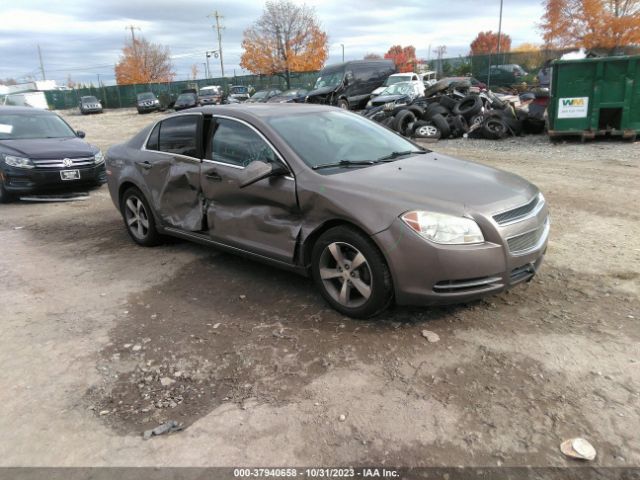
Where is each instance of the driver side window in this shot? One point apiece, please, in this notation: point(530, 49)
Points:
point(236, 144)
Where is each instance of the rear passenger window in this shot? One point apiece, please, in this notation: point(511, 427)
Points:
point(180, 135)
point(152, 143)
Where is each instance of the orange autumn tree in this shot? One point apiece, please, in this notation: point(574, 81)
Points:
point(607, 24)
point(487, 42)
point(403, 57)
point(287, 38)
point(144, 62)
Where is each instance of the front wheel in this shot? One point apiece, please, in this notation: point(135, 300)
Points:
point(138, 218)
point(343, 103)
point(5, 197)
point(351, 273)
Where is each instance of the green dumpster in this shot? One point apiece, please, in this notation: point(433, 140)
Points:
point(595, 96)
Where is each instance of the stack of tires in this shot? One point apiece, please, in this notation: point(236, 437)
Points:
point(453, 115)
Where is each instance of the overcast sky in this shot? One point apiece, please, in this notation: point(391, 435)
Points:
point(84, 38)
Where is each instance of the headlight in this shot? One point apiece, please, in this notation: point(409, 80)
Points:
point(18, 162)
point(445, 229)
point(156, 102)
point(369, 103)
point(98, 158)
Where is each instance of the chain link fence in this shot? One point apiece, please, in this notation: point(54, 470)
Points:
point(124, 96)
point(502, 65)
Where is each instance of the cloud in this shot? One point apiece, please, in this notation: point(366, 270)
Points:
point(84, 38)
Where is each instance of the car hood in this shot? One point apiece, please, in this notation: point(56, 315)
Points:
point(281, 99)
point(378, 91)
point(321, 91)
point(48, 148)
point(432, 181)
point(381, 100)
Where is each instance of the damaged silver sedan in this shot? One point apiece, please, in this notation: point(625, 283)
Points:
point(371, 216)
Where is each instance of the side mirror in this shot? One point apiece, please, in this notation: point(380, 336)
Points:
point(80, 134)
point(258, 170)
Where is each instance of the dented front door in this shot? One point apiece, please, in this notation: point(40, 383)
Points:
point(262, 218)
point(172, 171)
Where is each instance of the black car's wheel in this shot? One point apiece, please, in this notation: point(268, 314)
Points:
point(343, 103)
point(351, 273)
point(138, 218)
point(5, 197)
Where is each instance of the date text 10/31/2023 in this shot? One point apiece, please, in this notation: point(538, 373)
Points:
point(315, 473)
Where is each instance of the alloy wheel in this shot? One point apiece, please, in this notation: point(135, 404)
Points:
point(427, 131)
point(136, 217)
point(346, 274)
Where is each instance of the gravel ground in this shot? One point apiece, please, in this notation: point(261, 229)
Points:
point(102, 339)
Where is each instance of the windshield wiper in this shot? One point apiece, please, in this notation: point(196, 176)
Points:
point(344, 163)
point(393, 155)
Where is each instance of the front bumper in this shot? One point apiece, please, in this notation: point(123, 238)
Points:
point(426, 273)
point(24, 181)
point(148, 108)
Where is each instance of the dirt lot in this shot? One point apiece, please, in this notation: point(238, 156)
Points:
point(101, 339)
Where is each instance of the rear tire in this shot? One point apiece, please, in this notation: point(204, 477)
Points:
point(138, 218)
point(351, 273)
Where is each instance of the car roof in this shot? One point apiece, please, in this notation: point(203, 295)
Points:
point(402, 74)
point(24, 111)
point(264, 110)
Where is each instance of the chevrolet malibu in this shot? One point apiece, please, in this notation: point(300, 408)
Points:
point(372, 217)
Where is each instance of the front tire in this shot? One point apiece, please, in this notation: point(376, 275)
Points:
point(343, 103)
point(351, 273)
point(138, 218)
point(5, 197)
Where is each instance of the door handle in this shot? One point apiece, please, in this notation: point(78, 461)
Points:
point(146, 164)
point(213, 176)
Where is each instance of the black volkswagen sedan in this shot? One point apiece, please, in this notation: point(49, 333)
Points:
point(40, 152)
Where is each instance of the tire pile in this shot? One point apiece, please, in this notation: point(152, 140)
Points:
point(455, 111)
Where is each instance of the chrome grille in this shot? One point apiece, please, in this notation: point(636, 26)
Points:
point(59, 163)
point(466, 285)
point(517, 213)
point(528, 240)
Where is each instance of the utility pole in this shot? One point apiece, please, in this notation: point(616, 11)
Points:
point(499, 31)
point(218, 29)
point(342, 45)
point(207, 68)
point(41, 64)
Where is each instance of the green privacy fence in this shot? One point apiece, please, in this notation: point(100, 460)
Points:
point(122, 96)
point(531, 62)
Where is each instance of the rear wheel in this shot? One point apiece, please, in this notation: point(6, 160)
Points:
point(138, 218)
point(351, 273)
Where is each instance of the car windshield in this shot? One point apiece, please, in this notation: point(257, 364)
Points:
point(393, 79)
point(329, 80)
point(205, 93)
point(261, 94)
point(292, 93)
point(184, 97)
point(398, 89)
point(237, 90)
point(321, 138)
point(89, 99)
point(17, 127)
point(146, 96)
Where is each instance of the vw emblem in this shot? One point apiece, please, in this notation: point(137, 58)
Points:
point(67, 162)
